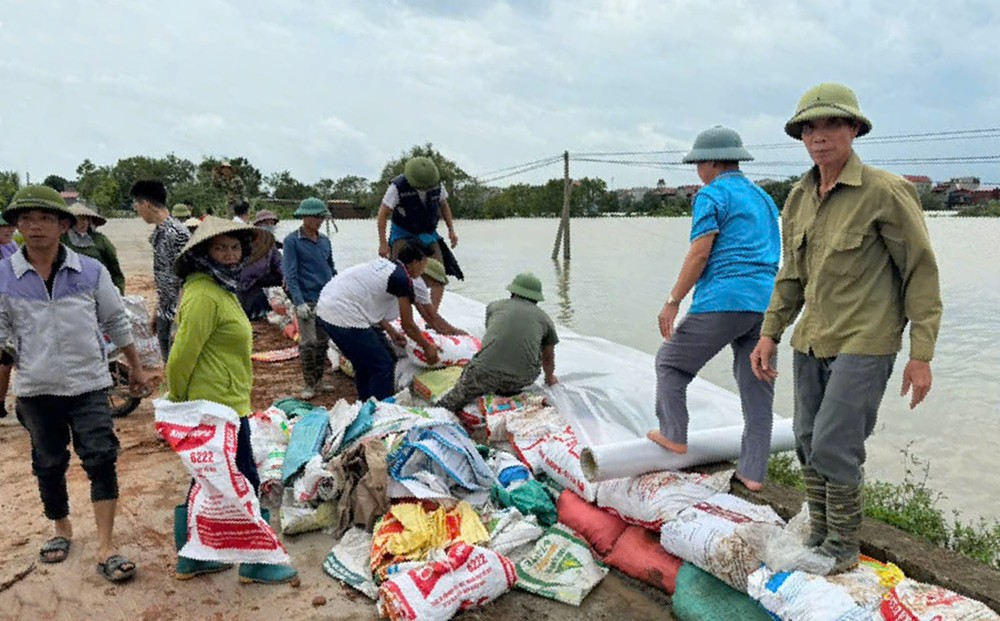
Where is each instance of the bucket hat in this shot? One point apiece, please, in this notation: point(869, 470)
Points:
point(37, 197)
point(192, 223)
point(823, 101)
point(79, 209)
point(435, 271)
point(311, 206)
point(212, 226)
point(527, 286)
point(181, 211)
point(263, 216)
point(718, 144)
point(422, 173)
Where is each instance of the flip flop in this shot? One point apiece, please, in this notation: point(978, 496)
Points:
point(55, 550)
point(116, 568)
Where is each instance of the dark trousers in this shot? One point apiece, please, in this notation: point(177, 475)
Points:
point(836, 407)
point(696, 340)
point(368, 351)
point(52, 422)
point(163, 336)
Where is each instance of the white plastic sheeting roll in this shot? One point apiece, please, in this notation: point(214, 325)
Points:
point(607, 392)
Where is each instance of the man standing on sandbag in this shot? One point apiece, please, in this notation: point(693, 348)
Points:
point(416, 201)
point(520, 342)
point(56, 304)
point(732, 261)
point(859, 258)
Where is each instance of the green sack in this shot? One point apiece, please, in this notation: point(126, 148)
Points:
point(293, 407)
point(529, 498)
point(700, 596)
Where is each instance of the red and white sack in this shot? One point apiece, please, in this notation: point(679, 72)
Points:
point(269, 434)
point(529, 428)
point(560, 459)
point(914, 601)
point(467, 577)
point(651, 499)
point(147, 345)
point(707, 535)
point(224, 521)
point(454, 350)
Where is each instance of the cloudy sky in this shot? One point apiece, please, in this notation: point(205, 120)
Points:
point(326, 89)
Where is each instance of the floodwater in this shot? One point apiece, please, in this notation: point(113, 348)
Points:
point(623, 268)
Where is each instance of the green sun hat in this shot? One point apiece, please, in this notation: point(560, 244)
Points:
point(825, 100)
point(181, 211)
point(37, 197)
point(311, 206)
point(527, 286)
point(422, 173)
point(435, 271)
point(718, 144)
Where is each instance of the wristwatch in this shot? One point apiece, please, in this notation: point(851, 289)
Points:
point(672, 301)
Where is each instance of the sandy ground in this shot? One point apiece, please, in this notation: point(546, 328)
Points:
point(152, 481)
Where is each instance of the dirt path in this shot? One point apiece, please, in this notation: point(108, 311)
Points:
point(152, 481)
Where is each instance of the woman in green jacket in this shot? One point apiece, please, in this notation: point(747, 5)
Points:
point(84, 239)
point(210, 360)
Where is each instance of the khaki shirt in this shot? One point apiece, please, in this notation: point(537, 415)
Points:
point(861, 263)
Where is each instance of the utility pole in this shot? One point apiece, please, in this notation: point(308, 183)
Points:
point(564, 220)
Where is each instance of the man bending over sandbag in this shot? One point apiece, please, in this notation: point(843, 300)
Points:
point(520, 342)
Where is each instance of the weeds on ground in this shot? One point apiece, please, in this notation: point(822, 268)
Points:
point(911, 506)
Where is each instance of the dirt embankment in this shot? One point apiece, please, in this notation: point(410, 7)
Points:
point(152, 481)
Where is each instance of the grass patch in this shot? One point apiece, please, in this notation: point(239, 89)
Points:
point(913, 507)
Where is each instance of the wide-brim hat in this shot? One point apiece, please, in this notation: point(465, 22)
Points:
point(826, 100)
point(37, 197)
point(718, 144)
point(263, 216)
point(213, 226)
point(311, 207)
point(422, 173)
point(79, 209)
point(435, 271)
point(181, 211)
point(527, 285)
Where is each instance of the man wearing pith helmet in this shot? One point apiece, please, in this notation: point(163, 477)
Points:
point(731, 264)
point(858, 257)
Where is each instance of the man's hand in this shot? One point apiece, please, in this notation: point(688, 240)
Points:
point(383, 249)
point(551, 380)
point(431, 353)
point(398, 339)
point(916, 375)
point(667, 318)
point(138, 381)
point(152, 323)
point(452, 237)
point(303, 311)
point(761, 357)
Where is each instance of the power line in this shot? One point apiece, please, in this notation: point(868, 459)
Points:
point(540, 164)
point(545, 160)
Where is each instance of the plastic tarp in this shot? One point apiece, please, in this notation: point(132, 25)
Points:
point(607, 392)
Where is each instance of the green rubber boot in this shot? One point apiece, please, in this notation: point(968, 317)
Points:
point(816, 501)
point(843, 518)
point(188, 568)
point(266, 573)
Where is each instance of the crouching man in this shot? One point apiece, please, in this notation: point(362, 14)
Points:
point(56, 306)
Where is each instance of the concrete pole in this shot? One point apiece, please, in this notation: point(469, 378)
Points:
point(564, 219)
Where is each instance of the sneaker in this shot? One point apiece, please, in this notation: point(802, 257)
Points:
point(309, 392)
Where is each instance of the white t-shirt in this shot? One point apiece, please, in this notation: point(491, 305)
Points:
point(363, 295)
point(391, 198)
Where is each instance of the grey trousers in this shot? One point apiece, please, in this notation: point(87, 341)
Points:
point(313, 343)
point(836, 407)
point(696, 340)
point(474, 383)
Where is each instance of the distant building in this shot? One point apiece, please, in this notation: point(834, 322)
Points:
point(70, 196)
point(346, 210)
point(923, 183)
point(965, 183)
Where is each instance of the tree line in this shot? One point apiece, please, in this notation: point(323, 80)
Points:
point(105, 187)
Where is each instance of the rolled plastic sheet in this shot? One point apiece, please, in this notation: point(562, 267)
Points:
point(607, 392)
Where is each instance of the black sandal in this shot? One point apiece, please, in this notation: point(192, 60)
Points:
point(55, 550)
point(116, 568)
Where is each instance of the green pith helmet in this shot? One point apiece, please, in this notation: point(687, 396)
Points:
point(823, 101)
point(181, 211)
point(435, 271)
point(718, 144)
point(527, 286)
point(422, 173)
point(311, 207)
point(37, 197)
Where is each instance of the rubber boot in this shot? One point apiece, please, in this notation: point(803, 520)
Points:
point(816, 501)
point(266, 573)
point(188, 568)
point(307, 356)
point(843, 522)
